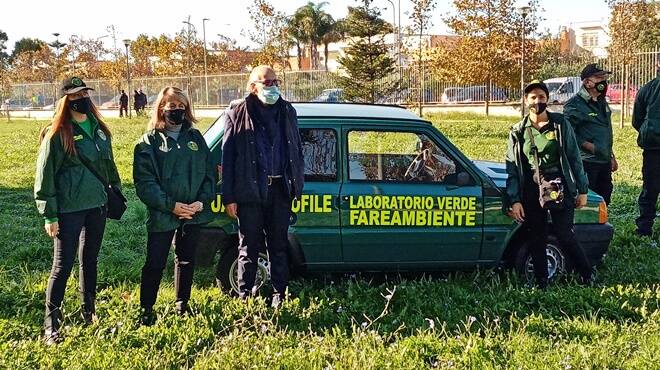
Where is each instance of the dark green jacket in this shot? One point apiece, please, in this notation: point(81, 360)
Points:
point(646, 115)
point(571, 165)
point(167, 171)
point(63, 184)
point(591, 124)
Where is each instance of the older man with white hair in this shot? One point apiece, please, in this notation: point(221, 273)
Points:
point(262, 172)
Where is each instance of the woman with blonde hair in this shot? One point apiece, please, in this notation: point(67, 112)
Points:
point(72, 199)
point(175, 179)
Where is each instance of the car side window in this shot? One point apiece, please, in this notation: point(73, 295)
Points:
point(319, 147)
point(398, 157)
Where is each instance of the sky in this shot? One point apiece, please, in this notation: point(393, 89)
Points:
point(91, 19)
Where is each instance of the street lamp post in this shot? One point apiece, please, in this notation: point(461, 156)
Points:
point(206, 77)
point(127, 43)
point(524, 12)
point(188, 58)
point(57, 45)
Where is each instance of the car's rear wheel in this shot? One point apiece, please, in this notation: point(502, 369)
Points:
point(559, 262)
point(227, 271)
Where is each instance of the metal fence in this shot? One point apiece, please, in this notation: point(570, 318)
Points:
point(219, 90)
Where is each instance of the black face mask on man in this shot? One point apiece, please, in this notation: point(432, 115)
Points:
point(537, 108)
point(82, 105)
point(175, 116)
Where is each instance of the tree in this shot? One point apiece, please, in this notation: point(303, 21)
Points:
point(227, 56)
point(633, 25)
point(270, 30)
point(4, 57)
point(35, 65)
point(421, 19)
point(330, 31)
point(367, 62)
point(488, 51)
point(26, 44)
point(86, 56)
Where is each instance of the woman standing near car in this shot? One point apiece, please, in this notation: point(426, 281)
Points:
point(72, 199)
point(545, 174)
point(175, 179)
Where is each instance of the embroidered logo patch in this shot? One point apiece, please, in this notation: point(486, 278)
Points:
point(550, 135)
point(193, 146)
point(554, 195)
point(102, 135)
point(76, 81)
point(77, 137)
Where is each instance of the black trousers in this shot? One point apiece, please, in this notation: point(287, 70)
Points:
point(264, 227)
point(158, 248)
point(123, 110)
point(600, 179)
point(80, 232)
point(650, 189)
point(537, 228)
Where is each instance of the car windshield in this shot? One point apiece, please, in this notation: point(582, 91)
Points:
point(214, 132)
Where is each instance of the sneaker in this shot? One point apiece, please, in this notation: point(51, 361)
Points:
point(182, 309)
point(148, 317)
point(52, 337)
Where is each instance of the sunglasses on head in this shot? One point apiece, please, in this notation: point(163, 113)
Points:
point(269, 83)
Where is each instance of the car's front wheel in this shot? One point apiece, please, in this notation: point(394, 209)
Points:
point(226, 273)
point(558, 261)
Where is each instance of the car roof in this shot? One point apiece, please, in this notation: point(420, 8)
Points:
point(352, 110)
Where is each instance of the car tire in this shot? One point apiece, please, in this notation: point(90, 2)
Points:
point(559, 262)
point(226, 274)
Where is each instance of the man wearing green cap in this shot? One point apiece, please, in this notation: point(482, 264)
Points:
point(591, 118)
point(646, 120)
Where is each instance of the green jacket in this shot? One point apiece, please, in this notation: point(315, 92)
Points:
point(571, 165)
point(63, 184)
point(167, 171)
point(646, 115)
point(591, 124)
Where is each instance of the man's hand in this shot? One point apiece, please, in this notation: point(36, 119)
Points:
point(517, 212)
point(590, 147)
point(581, 201)
point(183, 211)
point(231, 209)
point(615, 164)
point(52, 229)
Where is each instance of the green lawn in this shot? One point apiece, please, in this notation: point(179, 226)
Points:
point(464, 320)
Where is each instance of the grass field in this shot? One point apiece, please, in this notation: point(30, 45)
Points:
point(464, 320)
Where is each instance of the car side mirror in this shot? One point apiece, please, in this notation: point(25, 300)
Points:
point(463, 179)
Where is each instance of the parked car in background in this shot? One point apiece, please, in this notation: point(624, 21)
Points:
point(562, 88)
point(330, 96)
point(473, 94)
point(615, 93)
point(449, 95)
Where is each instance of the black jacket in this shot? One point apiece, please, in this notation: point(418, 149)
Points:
point(242, 180)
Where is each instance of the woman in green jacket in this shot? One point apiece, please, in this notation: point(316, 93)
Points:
point(71, 198)
point(557, 156)
point(175, 179)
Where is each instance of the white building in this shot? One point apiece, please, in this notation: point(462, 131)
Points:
point(591, 35)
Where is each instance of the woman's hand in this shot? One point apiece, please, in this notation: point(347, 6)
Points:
point(517, 212)
point(231, 209)
point(52, 229)
point(197, 206)
point(581, 201)
point(184, 211)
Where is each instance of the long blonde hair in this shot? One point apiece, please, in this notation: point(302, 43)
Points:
point(157, 120)
point(62, 124)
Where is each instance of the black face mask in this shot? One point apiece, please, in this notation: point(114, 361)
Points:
point(537, 108)
point(175, 116)
point(83, 105)
point(601, 87)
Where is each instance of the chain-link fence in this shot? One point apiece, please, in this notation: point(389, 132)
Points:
point(219, 90)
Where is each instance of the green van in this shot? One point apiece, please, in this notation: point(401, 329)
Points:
point(386, 191)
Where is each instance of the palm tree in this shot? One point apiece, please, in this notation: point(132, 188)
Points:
point(309, 20)
point(297, 36)
point(331, 31)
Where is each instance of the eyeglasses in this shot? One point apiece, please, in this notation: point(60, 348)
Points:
point(269, 83)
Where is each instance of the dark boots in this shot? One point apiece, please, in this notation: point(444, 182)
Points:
point(89, 308)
